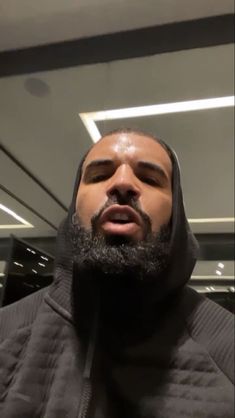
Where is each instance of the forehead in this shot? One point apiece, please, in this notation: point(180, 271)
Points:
point(129, 148)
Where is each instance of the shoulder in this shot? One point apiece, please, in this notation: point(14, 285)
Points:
point(211, 326)
point(20, 314)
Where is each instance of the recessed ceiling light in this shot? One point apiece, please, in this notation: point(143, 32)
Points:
point(89, 118)
point(218, 272)
point(221, 265)
point(24, 223)
point(31, 251)
point(18, 264)
point(44, 258)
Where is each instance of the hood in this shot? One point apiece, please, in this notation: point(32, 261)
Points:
point(183, 249)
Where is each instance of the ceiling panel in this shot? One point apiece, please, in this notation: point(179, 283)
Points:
point(48, 129)
point(39, 227)
point(213, 269)
point(28, 23)
point(40, 126)
point(25, 198)
point(5, 218)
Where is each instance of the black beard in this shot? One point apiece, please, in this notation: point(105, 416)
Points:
point(118, 258)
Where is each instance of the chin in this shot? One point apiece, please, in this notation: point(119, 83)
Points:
point(119, 239)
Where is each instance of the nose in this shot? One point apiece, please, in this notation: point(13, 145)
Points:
point(123, 184)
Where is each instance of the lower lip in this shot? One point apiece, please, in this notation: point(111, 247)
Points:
point(129, 228)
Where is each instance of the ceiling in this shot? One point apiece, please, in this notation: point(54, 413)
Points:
point(29, 23)
point(42, 137)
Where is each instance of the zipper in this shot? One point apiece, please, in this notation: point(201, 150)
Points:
point(86, 398)
point(87, 389)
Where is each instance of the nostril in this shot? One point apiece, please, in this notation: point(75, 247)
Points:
point(132, 193)
point(123, 196)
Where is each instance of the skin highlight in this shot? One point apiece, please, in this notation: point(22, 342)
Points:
point(129, 167)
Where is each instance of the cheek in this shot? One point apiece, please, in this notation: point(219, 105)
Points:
point(88, 203)
point(84, 207)
point(159, 209)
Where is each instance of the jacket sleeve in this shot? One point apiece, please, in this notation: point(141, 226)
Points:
point(20, 314)
point(213, 327)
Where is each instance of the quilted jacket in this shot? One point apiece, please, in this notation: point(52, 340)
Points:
point(65, 355)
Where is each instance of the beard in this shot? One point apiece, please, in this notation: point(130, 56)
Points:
point(118, 257)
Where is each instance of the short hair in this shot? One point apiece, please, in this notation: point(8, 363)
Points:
point(125, 130)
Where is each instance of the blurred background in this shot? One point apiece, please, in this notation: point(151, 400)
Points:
point(69, 72)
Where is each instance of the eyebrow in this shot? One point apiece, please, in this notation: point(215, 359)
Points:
point(98, 163)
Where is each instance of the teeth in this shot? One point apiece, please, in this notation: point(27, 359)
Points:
point(120, 217)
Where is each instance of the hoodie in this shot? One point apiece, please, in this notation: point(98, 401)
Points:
point(167, 352)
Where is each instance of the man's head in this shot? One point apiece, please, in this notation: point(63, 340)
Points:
point(127, 220)
point(124, 207)
point(125, 187)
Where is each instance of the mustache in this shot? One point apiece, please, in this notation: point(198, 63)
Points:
point(129, 202)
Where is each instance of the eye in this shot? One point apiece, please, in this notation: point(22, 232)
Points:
point(149, 180)
point(99, 177)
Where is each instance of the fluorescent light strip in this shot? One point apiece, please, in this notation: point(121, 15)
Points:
point(24, 223)
point(163, 109)
point(213, 277)
point(217, 289)
point(150, 110)
point(210, 220)
point(91, 126)
point(16, 226)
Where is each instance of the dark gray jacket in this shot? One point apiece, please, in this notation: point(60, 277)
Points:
point(175, 361)
point(183, 370)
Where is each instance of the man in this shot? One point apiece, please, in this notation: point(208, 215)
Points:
point(119, 334)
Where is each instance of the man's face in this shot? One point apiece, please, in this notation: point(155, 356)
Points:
point(120, 170)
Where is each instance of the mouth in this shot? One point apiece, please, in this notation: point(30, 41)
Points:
point(120, 220)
